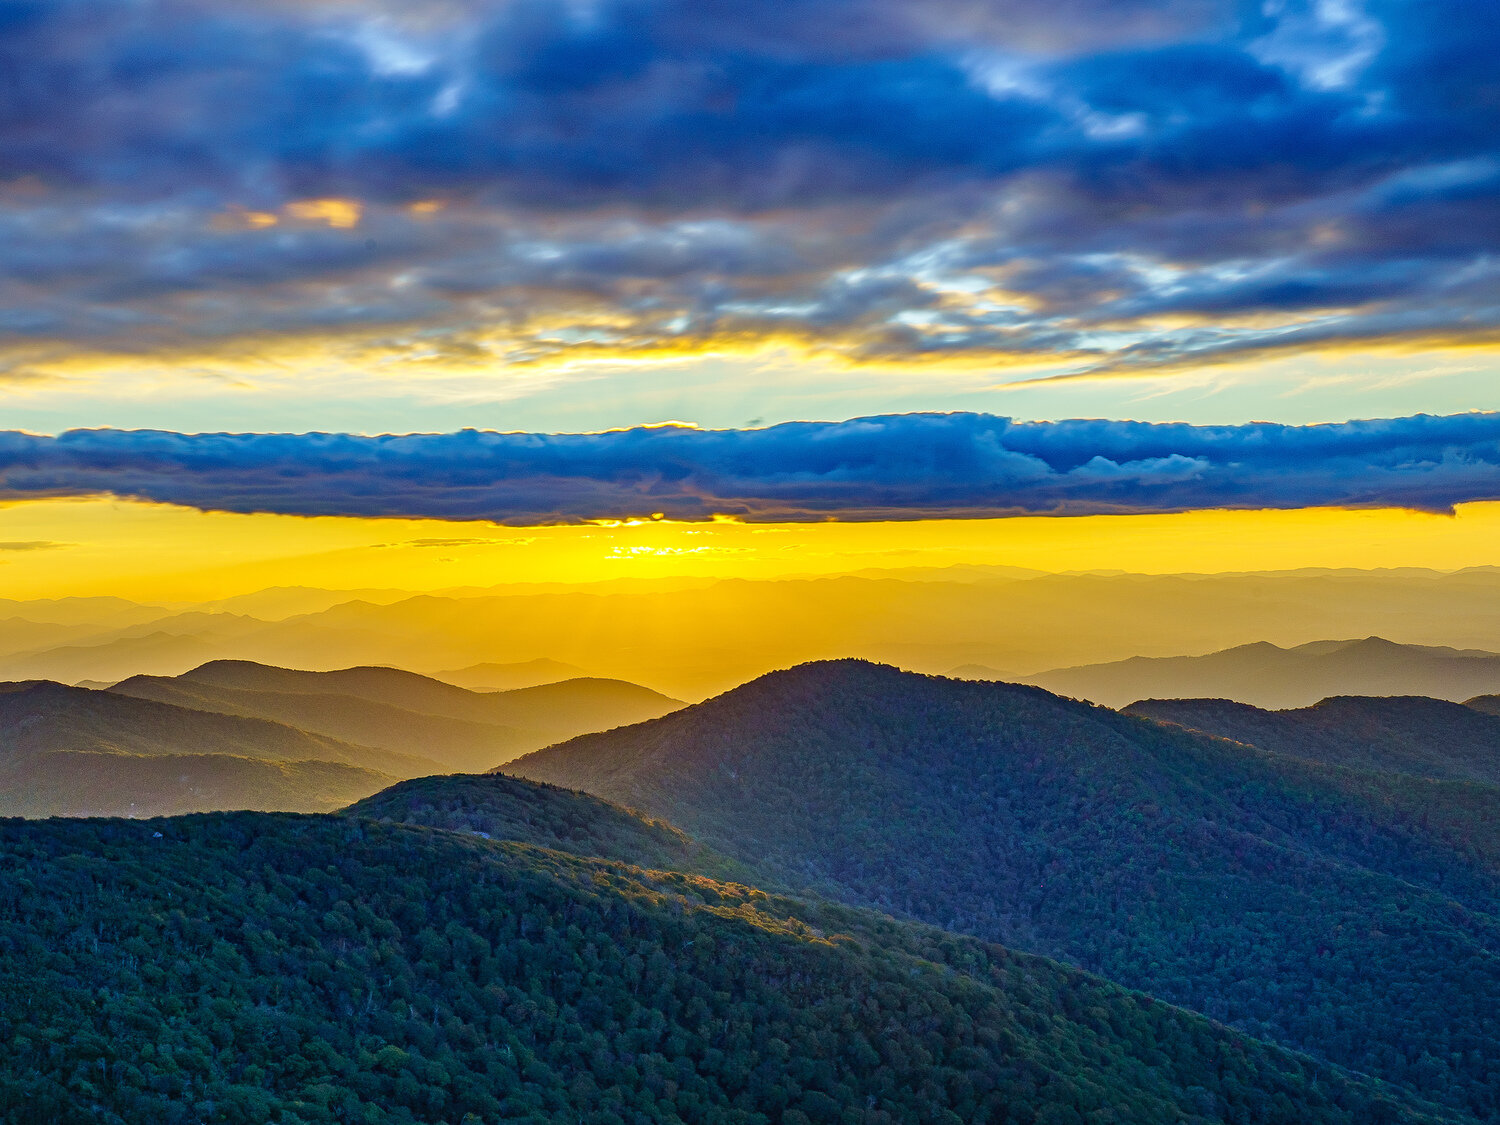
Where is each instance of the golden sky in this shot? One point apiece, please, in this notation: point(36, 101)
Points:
point(156, 552)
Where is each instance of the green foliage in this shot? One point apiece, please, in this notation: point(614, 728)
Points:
point(1399, 734)
point(505, 808)
point(245, 968)
point(1352, 915)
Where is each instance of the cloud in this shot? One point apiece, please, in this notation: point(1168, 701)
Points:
point(888, 467)
point(31, 545)
point(888, 179)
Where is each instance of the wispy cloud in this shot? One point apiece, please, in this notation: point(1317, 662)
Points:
point(887, 467)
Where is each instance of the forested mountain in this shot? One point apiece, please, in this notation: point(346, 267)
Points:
point(1350, 914)
point(1488, 704)
point(71, 751)
point(103, 783)
point(250, 968)
point(547, 712)
point(40, 716)
point(1267, 676)
point(1402, 734)
point(452, 743)
point(498, 807)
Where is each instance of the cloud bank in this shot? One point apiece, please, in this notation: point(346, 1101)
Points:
point(890, 467)
point(492, 181)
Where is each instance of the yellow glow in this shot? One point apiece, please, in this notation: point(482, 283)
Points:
point(343, 213)
point(163, 553)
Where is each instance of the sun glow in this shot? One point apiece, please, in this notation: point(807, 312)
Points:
point(57, 548)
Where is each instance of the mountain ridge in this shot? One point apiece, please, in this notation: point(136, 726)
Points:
point(1194, 868)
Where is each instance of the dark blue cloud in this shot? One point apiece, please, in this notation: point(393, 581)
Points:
point(892, 467)
point(1099, 164)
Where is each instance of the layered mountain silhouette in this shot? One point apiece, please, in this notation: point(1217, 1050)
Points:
point(1265, 675)
point(397, 710)
point(1351, 914)
point(506, 677)
point(705, 635)
point(1404, 734)
point(68, 751)
point(253, 967)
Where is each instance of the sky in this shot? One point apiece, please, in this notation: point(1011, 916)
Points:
point(1002, 281)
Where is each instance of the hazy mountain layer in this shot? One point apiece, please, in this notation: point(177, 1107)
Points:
point(39, 717)
point(692, 638)
point(454, 744)
point(254, 968)
point(1267, 676)
point(554, 710)
point(1298, 901)
point(71, 751)
point(507, 677)
point(1425, 737)
point(101, 783)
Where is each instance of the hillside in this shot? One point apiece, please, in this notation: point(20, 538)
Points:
point(1267, 676)
point(551, 711)
point(1292, 899)
point(1486, 704)
point(68, 750)
point(454, 744)
point(101, 783)
point(251, 968)
point(1413, 735)
point(506, 808)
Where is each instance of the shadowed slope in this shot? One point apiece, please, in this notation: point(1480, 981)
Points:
point(1291, 898)
point(452, 743)
point(1402, 734)
point(506, 808)
point(68, 751)
point(342, 969)
point(100, 783)
point(556, 710)
point(1267, 676)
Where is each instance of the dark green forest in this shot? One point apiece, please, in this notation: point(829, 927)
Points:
point(249, 968)
point(1353, 914)
point(1396, 734)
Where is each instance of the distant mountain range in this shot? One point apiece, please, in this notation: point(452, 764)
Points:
point(67, 751)
point(1293, 899)
point(398, 710)
point(693, 638)
point(1400, 734)
point(507, 677)
point(234, 734)
point(1265, 675)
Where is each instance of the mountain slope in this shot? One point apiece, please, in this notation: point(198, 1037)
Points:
point(102, 783)
point(41, 716)
point(1293, 899)
point(68, 750)
point(252, 968)
point(1267, 676)
point(453, 743)
point(555, 710)
point(506, 808)
point(1414, 735)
